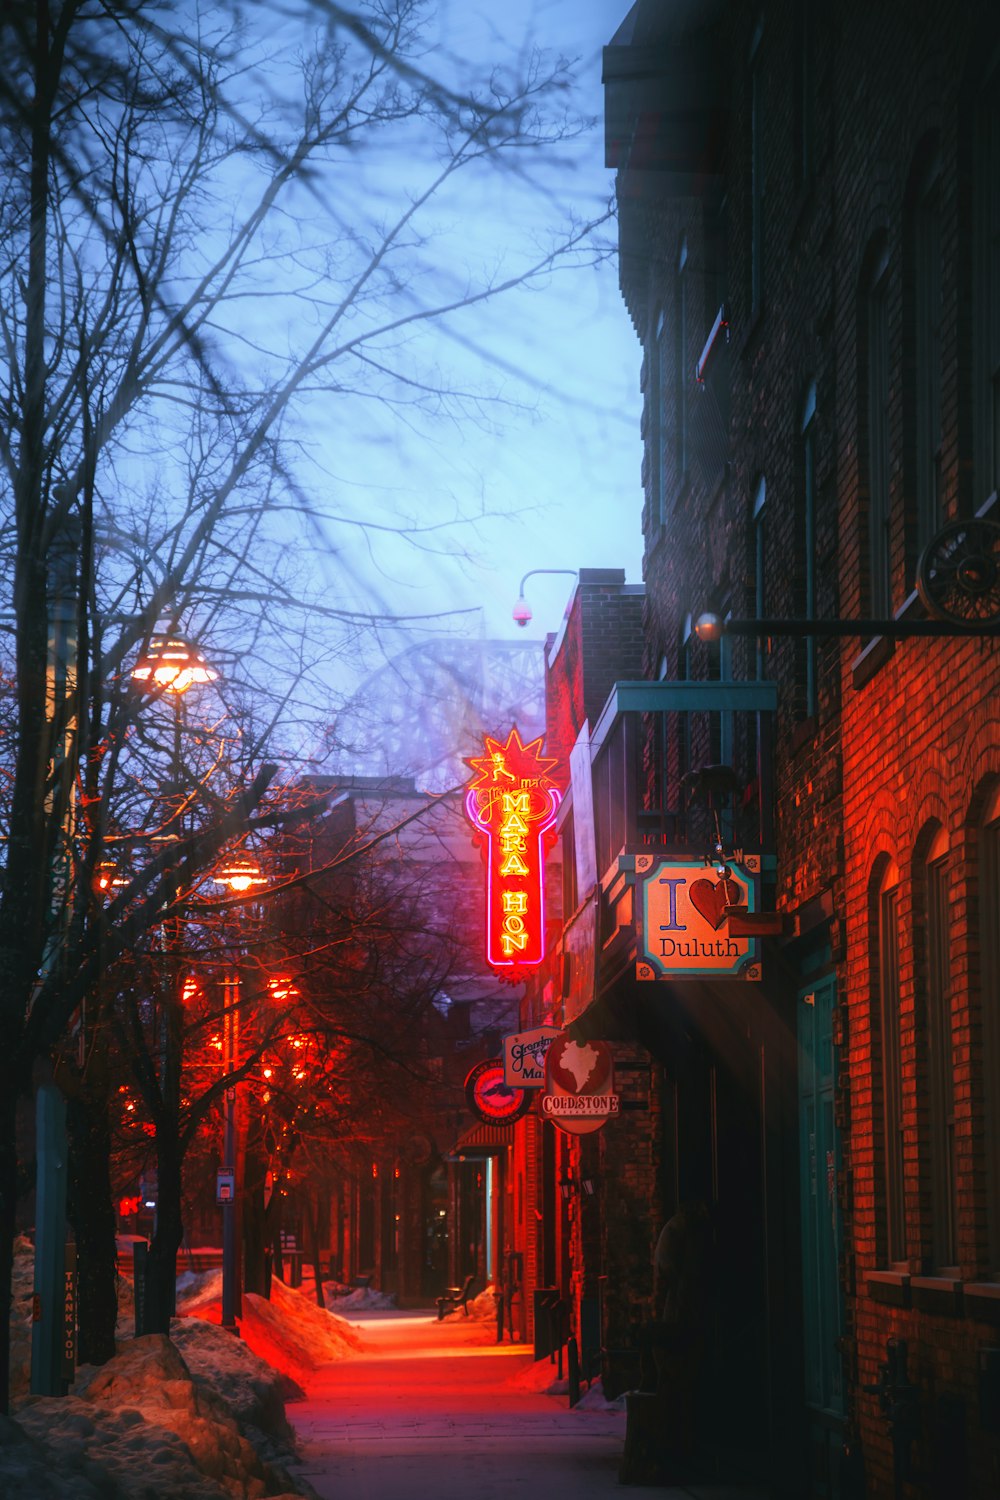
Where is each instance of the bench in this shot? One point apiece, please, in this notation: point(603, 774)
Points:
point(456, 1296)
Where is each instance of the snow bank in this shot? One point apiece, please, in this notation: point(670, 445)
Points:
point(542, 1376)
point(141, 1427)
point(339, 1298)
point(291, 1332)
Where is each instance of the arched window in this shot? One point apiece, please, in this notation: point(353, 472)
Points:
point(756, 91)
point(986, 293)
point(805, 546)
point(989, 975)
point(684, 675)
point(885, 982)
point(682, 369)
point(760, 562)
point(925, 232)
point(656, 459)
point(873, 308)
point(934, 933)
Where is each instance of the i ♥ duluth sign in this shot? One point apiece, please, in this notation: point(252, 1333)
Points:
point(685, 908)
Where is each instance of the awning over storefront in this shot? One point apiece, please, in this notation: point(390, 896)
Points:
point(481, 1141)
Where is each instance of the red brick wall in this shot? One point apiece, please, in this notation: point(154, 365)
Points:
point(861, 776)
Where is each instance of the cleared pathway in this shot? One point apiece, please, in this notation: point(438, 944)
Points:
point(439, 1411)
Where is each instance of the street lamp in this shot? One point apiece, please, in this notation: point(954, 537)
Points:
point(240, 873)
point(171, 665)
point(522, 609)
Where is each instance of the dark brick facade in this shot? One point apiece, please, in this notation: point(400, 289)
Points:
point(782, 162)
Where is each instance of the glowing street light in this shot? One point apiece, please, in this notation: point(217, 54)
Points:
point(240, 873)
point(521, 612)
point(172, 665)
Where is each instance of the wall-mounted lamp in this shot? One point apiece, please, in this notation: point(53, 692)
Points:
point(522, 609)
point(569, 1184)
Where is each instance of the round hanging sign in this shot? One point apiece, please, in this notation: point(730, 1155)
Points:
point(579, 1085)
point(494, 1101)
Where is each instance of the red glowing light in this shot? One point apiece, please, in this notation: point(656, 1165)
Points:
point(512, 803)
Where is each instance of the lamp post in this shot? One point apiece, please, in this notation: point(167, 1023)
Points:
point(522, 610)
point(240, 874)
point(169, 666)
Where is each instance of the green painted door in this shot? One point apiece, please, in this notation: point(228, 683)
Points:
point(819, 1165)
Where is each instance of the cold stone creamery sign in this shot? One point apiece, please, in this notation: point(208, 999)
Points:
point(685, 907)
point(512, 803)
point(579, 1092)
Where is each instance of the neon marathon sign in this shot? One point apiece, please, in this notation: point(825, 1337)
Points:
point(511, 803)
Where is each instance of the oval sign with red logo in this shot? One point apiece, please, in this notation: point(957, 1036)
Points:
point(579, 1085)
point(493, 1100)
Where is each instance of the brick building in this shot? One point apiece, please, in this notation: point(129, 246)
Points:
point(809, 227)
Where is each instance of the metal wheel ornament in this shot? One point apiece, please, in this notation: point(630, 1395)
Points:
point(958, 573)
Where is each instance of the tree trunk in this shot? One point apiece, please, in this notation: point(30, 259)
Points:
point(312, 1234)
point(254, 1217)
point(8, 1204)
point(161, 1265)
point(92, 1214)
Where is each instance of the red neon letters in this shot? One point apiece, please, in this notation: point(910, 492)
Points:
point(512, 803)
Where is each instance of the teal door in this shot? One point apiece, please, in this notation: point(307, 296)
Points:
point(821, 1292)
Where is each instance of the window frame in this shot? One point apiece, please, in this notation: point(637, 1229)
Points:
point(887, 1016)
point(940, 1054)
point(877, 395)
point(986, 294)
point(988, 922)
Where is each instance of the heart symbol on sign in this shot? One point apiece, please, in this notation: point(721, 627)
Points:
point(710, 900)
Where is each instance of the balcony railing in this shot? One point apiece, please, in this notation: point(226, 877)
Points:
point(649, 735)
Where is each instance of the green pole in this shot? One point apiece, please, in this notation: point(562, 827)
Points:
point(50, 1243)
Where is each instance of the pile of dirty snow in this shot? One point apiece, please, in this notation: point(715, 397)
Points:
point(143, 1425)
point(291, 1331)
point(542, 1376)
point(340, 1298)
point(484, 1306)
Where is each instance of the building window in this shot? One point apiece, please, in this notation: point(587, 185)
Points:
point(986, 320)
point(927, 351)
point(682, 374)
point(886, 1017)
point(805, 89)
point(655, 389)
point(876, 421)
point(806, 548)
point(936, 979)
point(684, 720)
point(760, 564)
point(756, 172)
point(989, 947)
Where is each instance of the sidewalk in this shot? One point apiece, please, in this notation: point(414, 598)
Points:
point(434, 1412)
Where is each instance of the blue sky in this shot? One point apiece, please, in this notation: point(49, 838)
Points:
point(553, 464)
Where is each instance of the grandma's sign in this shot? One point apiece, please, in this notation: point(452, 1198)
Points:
point(512, 803)
point(685, 908)
point(524, 1057)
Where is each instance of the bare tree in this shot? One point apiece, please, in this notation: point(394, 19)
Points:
point(185, 271)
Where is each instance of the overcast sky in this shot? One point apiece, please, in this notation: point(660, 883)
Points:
point(555, 466)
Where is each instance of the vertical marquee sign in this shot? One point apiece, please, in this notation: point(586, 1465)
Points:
point(512, 803)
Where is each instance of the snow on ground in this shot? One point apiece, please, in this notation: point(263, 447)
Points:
point(198, 1417)
point(291, 1331)
point(341, 1299)
point(543, 1376)
point(142, 1427)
